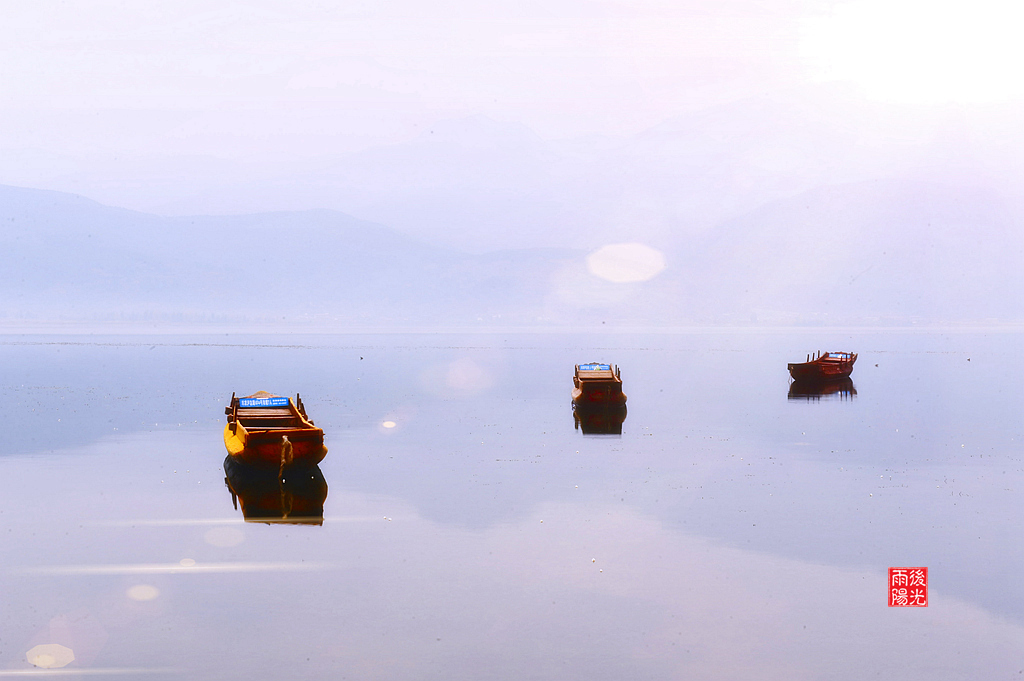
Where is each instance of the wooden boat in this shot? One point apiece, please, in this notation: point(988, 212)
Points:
point(597, 383)
point(269, 430)
point(824, 367)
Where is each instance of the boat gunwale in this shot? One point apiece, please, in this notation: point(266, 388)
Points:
point(823, 368)
point(300, 430)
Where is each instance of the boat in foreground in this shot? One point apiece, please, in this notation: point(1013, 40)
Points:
point(824, 367)
point(269, 430)
point(597, 383)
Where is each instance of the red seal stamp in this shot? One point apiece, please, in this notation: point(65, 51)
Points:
point(908, 587)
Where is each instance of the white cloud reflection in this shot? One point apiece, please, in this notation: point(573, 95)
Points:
point(467, 376)
point(50, 656)
point(91, 671)
point(185, 566)
point(143, 592)
point(637, 599)
point(224, 536)
point(170, 522)
point(463, 377)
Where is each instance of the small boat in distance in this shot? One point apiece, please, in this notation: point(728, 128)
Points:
point(824, 367)
point(597, 383)
point(269, 430)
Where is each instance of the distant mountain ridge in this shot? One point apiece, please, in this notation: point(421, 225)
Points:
point(70, 257)
point(479, 184)
point(884, 252)
point(868, 252)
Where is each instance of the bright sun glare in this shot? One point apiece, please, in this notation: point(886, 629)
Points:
point(921, 51)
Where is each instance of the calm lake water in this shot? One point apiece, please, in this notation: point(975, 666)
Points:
point(471, 531)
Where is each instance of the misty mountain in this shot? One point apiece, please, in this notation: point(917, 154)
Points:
point(873, 252)
point(66, 256)
point(477, 184)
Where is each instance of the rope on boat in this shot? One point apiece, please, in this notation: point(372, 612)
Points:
point(287, 499)
point(286, 456)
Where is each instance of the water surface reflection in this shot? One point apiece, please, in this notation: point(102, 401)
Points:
point(296, 495)
point(599, 420)
point(472, 533)
point(842, 389)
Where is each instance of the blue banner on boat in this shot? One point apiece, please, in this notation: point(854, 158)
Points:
point(595, 367)
point(263, 402)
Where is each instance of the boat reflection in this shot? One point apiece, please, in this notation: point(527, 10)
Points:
point(294, 497)
point(842, 389)
point(599, 420)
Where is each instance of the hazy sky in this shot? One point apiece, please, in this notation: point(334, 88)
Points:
point(187, 73)
point(643, 133)
point(113, 90)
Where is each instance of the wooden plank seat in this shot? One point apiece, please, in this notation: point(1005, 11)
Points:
point(290, 422)
point(258, 425)
point(244, 417)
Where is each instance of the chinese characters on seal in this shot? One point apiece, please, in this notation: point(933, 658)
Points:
point(908, 587)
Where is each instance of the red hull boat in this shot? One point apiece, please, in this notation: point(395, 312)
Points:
point(270, 430)
point(825, 367)
point(597, 383)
